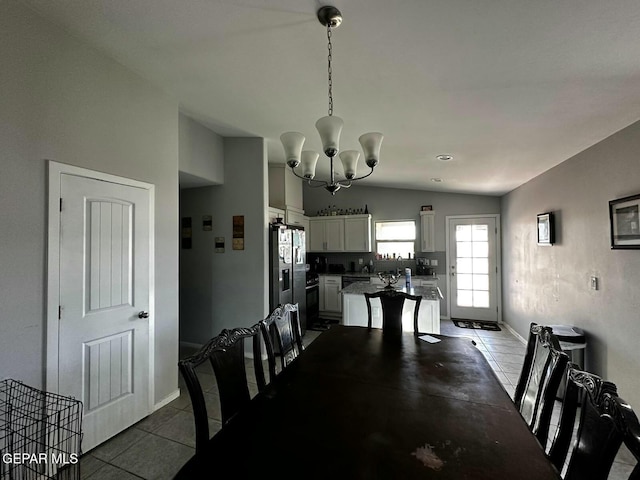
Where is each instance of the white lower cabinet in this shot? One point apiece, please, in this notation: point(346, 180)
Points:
point(331, 296)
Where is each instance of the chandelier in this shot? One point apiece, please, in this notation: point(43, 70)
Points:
point(329, 128)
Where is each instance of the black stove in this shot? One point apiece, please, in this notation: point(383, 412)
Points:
point(312, 279)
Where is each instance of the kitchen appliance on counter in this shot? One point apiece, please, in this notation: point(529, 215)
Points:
point(336, 268)
point(422, 267)
point(287, 269)
point(319, 264)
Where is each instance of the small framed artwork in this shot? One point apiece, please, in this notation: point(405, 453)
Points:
point(426, 208)
point(624, 222)
point(546, 229)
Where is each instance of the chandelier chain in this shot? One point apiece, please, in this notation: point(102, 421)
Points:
point(329, 70)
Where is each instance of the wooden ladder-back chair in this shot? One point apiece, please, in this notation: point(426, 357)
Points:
point(282, 335)
point(598, 437)
point(544, 366)
point(392, 302)
point(226, 355)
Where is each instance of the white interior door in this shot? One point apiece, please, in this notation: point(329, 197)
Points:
point(103, 328)
point(473, 268)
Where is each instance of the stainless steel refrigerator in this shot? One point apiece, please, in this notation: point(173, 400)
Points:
point(287, 269)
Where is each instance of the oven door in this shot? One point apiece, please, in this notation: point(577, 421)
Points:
point(313, 304)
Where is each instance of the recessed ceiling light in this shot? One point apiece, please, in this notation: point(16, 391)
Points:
point(444, 157)
point(437, 180)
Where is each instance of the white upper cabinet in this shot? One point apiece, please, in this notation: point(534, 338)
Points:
point(326, 234)
point(342, 233)
point(285, 189)
point(357, 233)
point(427, 231)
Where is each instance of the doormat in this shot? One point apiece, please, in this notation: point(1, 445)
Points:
point(492, 326)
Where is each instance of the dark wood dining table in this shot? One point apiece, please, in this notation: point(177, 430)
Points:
point(359, 405)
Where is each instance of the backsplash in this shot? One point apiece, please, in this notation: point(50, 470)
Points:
point(347, 259)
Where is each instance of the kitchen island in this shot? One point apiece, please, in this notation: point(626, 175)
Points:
point(354, 307)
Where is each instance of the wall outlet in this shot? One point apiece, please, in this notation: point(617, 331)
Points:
point(434, 262)
point(594, 283)
point(360, 261)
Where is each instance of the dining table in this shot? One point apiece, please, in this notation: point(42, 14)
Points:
point(360, 404)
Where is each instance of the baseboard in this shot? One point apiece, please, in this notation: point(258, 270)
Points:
point(514, 333)
point(167, 400)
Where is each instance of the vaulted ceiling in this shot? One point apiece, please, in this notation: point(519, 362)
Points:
point(509, 88)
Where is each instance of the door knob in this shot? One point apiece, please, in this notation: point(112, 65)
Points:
point(143, 314)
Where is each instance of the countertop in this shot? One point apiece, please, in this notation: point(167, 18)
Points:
point(360, 288)
point(375, 275)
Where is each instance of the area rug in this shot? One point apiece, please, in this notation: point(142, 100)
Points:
point(478, 325)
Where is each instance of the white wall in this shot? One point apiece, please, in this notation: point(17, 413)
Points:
point(64, 101)
point(201, 153)
point(230, 289)
point(551, 285)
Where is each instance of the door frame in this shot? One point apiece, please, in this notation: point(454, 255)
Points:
point(54, 171)
point(495, 216)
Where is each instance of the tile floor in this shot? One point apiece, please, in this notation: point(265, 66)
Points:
point(156, 447)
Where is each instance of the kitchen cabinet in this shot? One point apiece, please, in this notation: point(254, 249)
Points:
point(294, 217)
point(326, 234)
point(427, 231)
point(330, 298)
point(273, 213)
point(342, 233)
point(357, 233)
point(285, 189)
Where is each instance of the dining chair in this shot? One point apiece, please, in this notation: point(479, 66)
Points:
point(559, 445)
point(627, 423)
point(602, 421)
point(282, 336)
point(392, 302)
point(542, 371)
point(225, 352)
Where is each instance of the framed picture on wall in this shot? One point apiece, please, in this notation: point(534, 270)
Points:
point(624, 222)
point(546, 229)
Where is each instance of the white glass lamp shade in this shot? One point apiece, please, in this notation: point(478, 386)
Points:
point(292, 143)
point(371, 143)
point(329, 129)
point(309, 160)
point(349, 163)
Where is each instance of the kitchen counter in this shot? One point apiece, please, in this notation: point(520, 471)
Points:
point(359, 288)
point(375, 275)
point(354, 307)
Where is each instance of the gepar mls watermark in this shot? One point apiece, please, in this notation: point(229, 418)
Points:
point(58, 459)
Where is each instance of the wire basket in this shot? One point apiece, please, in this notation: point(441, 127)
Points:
point(40, 434)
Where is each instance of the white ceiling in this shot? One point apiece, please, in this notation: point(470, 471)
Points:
point(510, 88)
